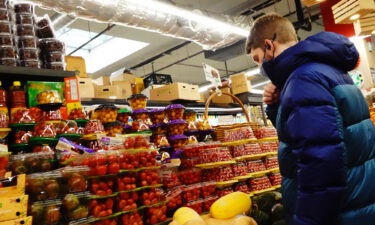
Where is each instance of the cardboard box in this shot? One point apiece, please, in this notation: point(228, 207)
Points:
point(17, 190)
point(125, 87)
point(124, 77)
point(147, 90)
point(76, 64)
point(175, 91)
point(103, 80)
point(22, 221)
point(240, 83)
point(107, 91)
point(202, 98)
point(138, 85)
point(12, 208)
point(86, 88)
point(223, 99)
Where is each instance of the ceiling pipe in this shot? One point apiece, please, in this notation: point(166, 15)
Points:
point(211, 31)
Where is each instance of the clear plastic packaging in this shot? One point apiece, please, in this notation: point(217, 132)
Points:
point(4, 15)
point(54, 57)
point(131, 218)
point(275, 179)
point(47, 213)
point(197, 206)
point(27, 42)
point(4, 4)
point(75, 179)
point(271, 162)
point(75, 207)
point(127, 201)
point(6, 40)
point(259, 183)
point(7, 52)
point(42, 148)
point(218, 154)
point(178, 141)
point(44, 186)
point(269, 146)
point(207, 203)
point(253, 148)
point(151, 196)
point(176, 127)
point(113, 128)
point(207, 189)
point(129, 160)
point(24, 18)
point(102, 163)
point(23, 115)
point(45, 31)
point(140, 126)
point(107, 113)
point(5, 27)
point(8, 62)
point(51, 45)
point(32, 163)
point(77, 114)
point(148, 178)
point(67, 127)
point(126, 182)
point(24, 8)
point(238, 134)
point(203, 125)
point(190, 115)
point(155, 215)
point(169, 177)
point(159, 129)
point(94, 127)
point(123, 115)
point(220, 192)
point(32, 63)
point(192, 150)
point(101, 207)
point(44, 129)
point(218, 174)
point(174, 200)
point(55, 66)
point(147, 158)
point(140, 114)
point(175, 112)
point(4, 119)
point(25, 30)
point(137, 141)
point(265, 132)
point(255, 166)
point(190, 176)
point(240, 169)
point(22, 136)
point(242, 187)
point(187, 163)
point(160, 141)
point(47, 97)
point(157, 116)
point(28, 53)
point(103, 186)
point(52, 115)
point(137, 101)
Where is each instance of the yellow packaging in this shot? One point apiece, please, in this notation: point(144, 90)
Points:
point(22, 221)
point(13, 207)
point(76, 64)
point(17, 190)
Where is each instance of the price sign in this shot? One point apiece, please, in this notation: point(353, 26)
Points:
point(212, 75)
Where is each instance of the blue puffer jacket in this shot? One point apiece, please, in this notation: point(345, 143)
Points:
point(327, 141)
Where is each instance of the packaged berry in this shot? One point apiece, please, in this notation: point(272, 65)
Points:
point(155, 215)
point(75, 206)
point(238, 134)
point(217, 154)
point(52, 57)
point(151, 196)
point(218, 174)
point(8, 62)
point(157, 116)
point(7, 52)
point(44, 186)
point(176, 127)
point(5, 27)
point(187, 163)
point(148, 178)
point(175, 112)
point(193, 150)
point(24, 8)
point(103, 186)
point(127, 201)
point(190, 176)
point(207, 189)
point(52, 115)
point(123, 115)
point(25, 30)
point(137, 101)
point(24, 18)
point(66, 127)
point(51, 45)
point(265, 132)
point(55, 65)
point(27, 42)
point(269, 146)
point(4, 15)
point(147, 158)
point(126, 182)
point(169, 176)
point(22, 136)
point(6, 39)
point(75, 178)
point(28, 53)
point(30, 63)
point(253, 148)
point(101, 207)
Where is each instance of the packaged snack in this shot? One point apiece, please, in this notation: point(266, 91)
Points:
point(32, 163)
point(113, 128)
point(157, 116)
point(131, 218)
point(151, 196)
point(44, 186)
point(101, 207)
point(55, 65)
point(174, 200)
point(77, 114)
point(51, 45)
point(52, 115)
point(6, 39)
point(46, 213)
point(190, 176)
point(28, 53)
point(175, 112)
point(27, 42)
point(190, 115)
point(24, 18)
point(8, 62)
point(126, 182)
point(25, 30)
point(156, 214)
point(207, 189)
point(5, 27)
point(137, 101)
point(24, 8)
point(94, 127)
point(259, 183)
point(47, 97)
point(75, 206)
point(240, 169)
point(42, 148)
point(196, 206)
point(137, 141)
point(148, 178)
point(75, 178)
point(44, 129)
point(169, 176)
point(108, 113)
point(129, 160)
point(4, 160)
point(178, 141)
point(159, 129)
point(176, 127)
point(103, 186)
point(223, 191)
point(123, 115)
point(127, 201)
point(242, 187)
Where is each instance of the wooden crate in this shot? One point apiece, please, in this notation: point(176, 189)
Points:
point(365, 25)
point(347, 11)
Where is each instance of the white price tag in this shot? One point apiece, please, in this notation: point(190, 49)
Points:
point(212, 75)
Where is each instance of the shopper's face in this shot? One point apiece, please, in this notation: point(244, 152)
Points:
point(257, 55)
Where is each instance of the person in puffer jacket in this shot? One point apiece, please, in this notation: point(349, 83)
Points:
point(326, 138)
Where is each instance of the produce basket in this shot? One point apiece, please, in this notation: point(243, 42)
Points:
point(219, 130)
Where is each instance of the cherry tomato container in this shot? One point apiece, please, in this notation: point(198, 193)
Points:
point(255, 165)
point(222, 191)
point(157, 116)
point(174, 200)
point(101, 207)
point(48, 213)
point(191, 192)
point(176, 127)
point(44, 129)
point(195, 205)
point(131, 218)
point(240, 169)
point(44, 186)
point(155, 215)
point(102, 186)
point(207, 203)
point(151, 196)
point(169, 176)
point(178, 141)
point(129, 160)
point(127, 201)
point(187, 163)
point(75, 207)
point(259, 183)
point(32, 163)
point(113, 128)
point(123, 115)
point(77, 114)
point(137, 101)
point(271, 162)
point(190, 176)
point(238, 134)
point(175, 112)
point(42, 148)
point(126, 182)
point(148, 178)
point(269, 146)
point(147, 158)
point(137, 141)
point(107, 113)
point(207, 189)
point(94, 127)
point(75, 179)
point(275, 178)
point(102, 163)
point(242, 187)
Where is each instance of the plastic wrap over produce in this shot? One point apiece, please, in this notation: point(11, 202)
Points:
point(210, 31)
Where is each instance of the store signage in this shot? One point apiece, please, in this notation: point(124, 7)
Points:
point(212, 75)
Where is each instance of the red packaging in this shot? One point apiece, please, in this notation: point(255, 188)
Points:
point(265, 132)
point(22, 136)
point(126, 182)
point(271, 162)
point(133, 218)
point(207, 189)
point(191, 150)
point(259, 183)
point(102, 163)
point(44, 129)
point(151, 196)
point(190, 176)
point(218, 174)
point(218, 154)
point(127, 201)
point(148, 178)
point(238, 134)
point(255, 166)
point(101, 207)
point(240, 169)
point(269, 146)
point(187, 163)
point(191, 192)
point(253, 148)
point(101, 186)
point(241, 186)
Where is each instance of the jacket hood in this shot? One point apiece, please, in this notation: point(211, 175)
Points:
point(325, 47)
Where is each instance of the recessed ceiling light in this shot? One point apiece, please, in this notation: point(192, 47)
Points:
point(354, 17)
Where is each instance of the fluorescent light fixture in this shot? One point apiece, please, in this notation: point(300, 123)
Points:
point(257, 91)
point(101, 52)
point(252, 72)
point(191, 15)
point(354, 17)
point(261, 84)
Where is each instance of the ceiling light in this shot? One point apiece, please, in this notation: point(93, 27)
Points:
point(373, 32)
point(354, 17)
point(252, 72)
point(257, 91)
point(261, 84)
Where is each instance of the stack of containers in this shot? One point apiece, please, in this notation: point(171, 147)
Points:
point(7, 43)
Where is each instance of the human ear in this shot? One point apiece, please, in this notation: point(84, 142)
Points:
point(269, 49)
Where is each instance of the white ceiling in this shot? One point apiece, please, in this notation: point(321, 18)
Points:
point(190, 70)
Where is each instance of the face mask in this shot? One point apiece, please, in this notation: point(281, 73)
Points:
point(262, 70)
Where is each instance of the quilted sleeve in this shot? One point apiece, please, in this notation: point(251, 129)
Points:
point(271, 112)
point(314, 128)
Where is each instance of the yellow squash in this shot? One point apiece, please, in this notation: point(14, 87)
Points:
point(238, 220)
point(184, 214)
point(231, 205)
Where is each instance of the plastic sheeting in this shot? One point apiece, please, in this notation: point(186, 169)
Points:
point(210, 31)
